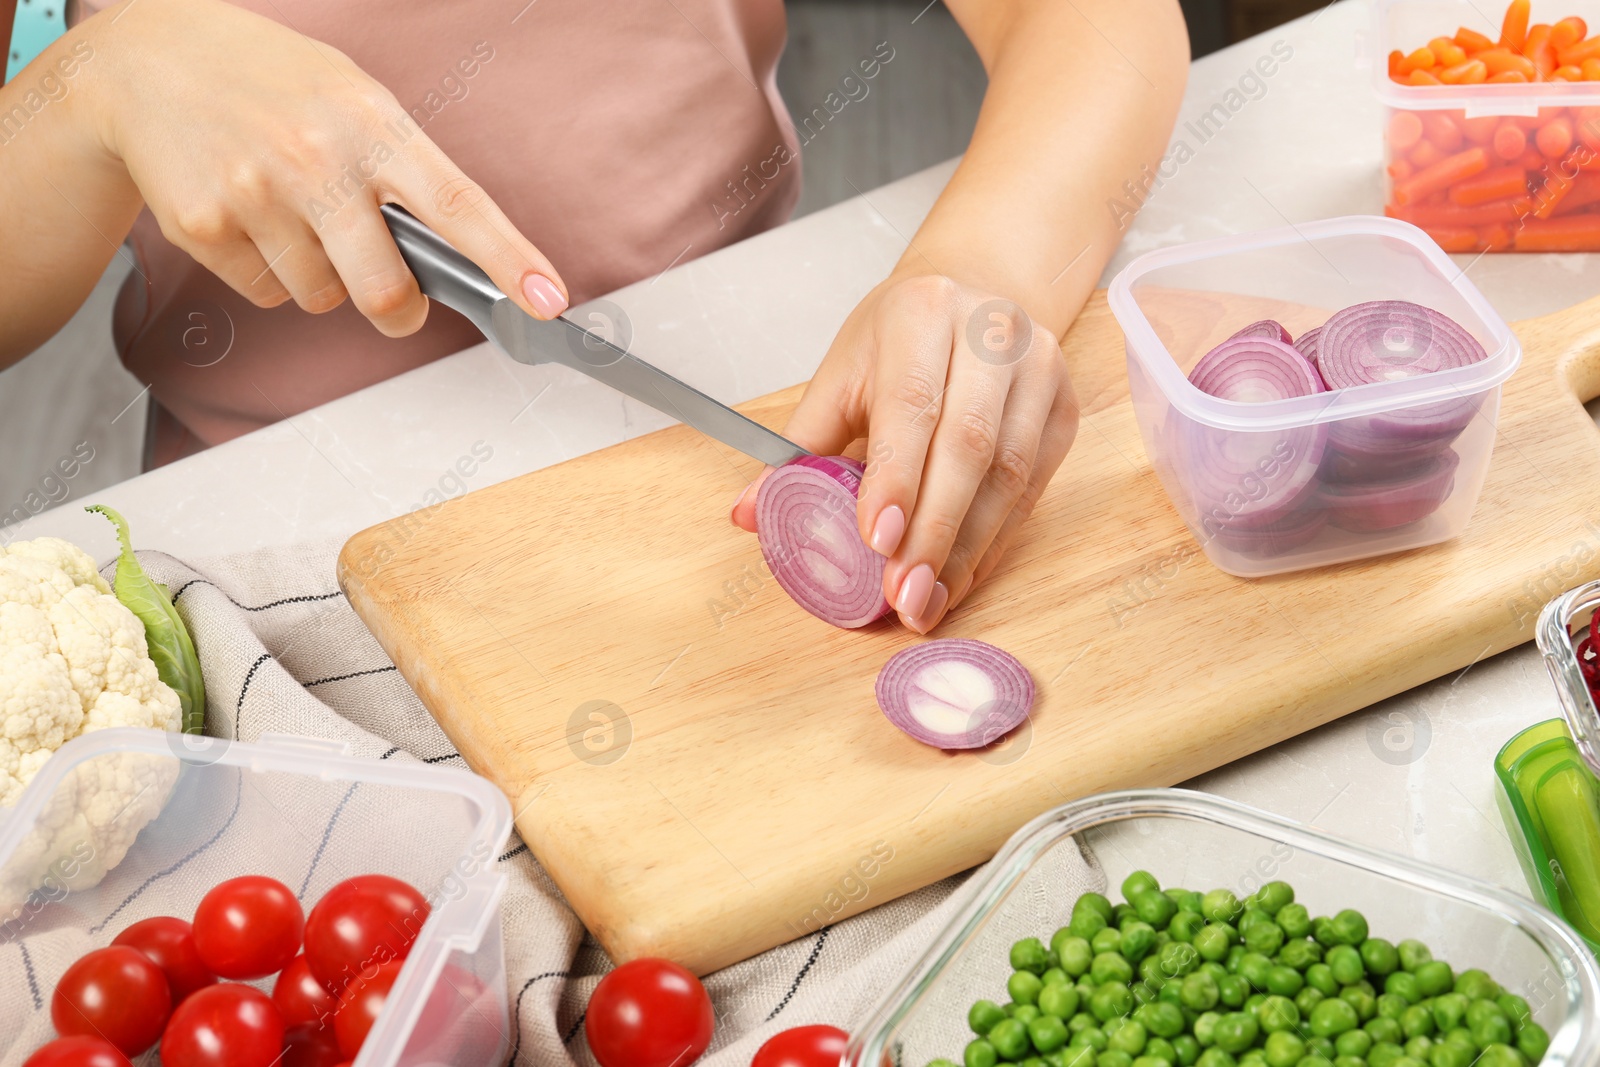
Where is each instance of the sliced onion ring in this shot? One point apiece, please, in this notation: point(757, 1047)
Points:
point(1387, 340)
point(1253, 369)
point(955, 693)
point(1383, 505)
point(1268, 328)
point(1275, 539)
point(1306, 344)
point(806, 523)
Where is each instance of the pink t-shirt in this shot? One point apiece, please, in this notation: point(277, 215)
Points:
point(621, 136)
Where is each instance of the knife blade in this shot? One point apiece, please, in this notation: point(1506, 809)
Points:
point(449, 277)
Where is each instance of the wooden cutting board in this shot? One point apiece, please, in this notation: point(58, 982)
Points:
point(747, 790)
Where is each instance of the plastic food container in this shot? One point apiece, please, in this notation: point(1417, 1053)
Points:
point(1448, 166)
point(1195, 840)
point(298, 810)
point(1546, 775)
point(1348, 477)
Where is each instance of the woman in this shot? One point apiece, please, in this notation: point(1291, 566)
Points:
point(621, 136)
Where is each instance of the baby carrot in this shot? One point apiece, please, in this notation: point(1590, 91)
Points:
point(1454, 215)
point(1503, 60)
point(1574, 233)
point(1442, 131)
point(1481, 129)
point(1401, 169)
point(1537, 49)
point(1425, 155)
point(1422, 59)
point(1472, 40)
point(1591, 69)
point(1514, 30)
point(1588, 127)
point(1405, 130)
point(1509, 141)
point(1549, 191)
point(1422, 77)
point(1455, 238)
point(1532, 159)
point(1503, 76)
point(1496, 183)
point(1471, 72)
point(1495, 237)
point(1446, 53)
point(1442, 175)
point(1567, 74)
point(1555, 137)
point(1396, 58)
point(1585, 191)
point(1568, 32)
point(1576, 54)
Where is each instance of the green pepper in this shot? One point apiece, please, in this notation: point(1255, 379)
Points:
point(171, 649)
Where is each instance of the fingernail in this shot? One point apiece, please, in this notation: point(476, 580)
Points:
point(887, 531)
point(915, 591)
point(930, 615)
point(543, 295)
point(744, 493)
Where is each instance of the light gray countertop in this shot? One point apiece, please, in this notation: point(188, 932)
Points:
point(1412, 774)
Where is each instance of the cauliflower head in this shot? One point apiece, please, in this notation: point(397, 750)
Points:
point(72, 659)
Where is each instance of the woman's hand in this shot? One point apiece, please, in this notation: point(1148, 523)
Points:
point(265, 156)
point(967, 412)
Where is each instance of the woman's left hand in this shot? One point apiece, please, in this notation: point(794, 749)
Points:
point(967, 410)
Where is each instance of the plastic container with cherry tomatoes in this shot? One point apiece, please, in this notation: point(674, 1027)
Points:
point(293, 809)
point(1485, 164)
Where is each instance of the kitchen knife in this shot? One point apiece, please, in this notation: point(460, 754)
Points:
point(449, 277)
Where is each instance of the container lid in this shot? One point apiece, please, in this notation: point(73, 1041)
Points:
point(1504, 352)
point(1553, 636)
point(1407, 25)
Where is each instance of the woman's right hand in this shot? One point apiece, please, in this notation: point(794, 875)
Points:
point(265, 155)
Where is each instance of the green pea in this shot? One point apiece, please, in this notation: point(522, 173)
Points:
point(1110, 967)
point(983, 1016)
point(1251, 916)
point(1162, 1020)
point(1205, 1028)
point(1199, 992)
point(1391, 1006)
point(1419, 1048)
point(1301, 954)
point(1319, 976)
point(1253, 1058)
point(980, 1053)
point(1353, 1043)
point(1139, 882)
point(1034, 1061)
point(1283, 1048)
point(1121, 913)
point(1385, 1054)
point(1263, 937)
point(1499, 1056)
point(1076, 1056)
point(1187, 1048)
point(1138, 938)
point(1379, 956)
point(1272, 897)
point(1320, 1047)
point(1095, 902)
point(1214, 969)
point(1254, 968)
point(1220, 905)
point(1026, 1013)
point(1081, 1021)
point(1417, 1021)
point(1110, 1001)
point(1332, 1017)
point(1322, 931)
point(1055, 975)
point(1058, 999)
point(1349, 1061)
point(1307, 999)
point(1345, 963)
point(1010, 1039)
point(1516, 1010)
point(1361, 999)
point(1212, 942)
point(1151, 1061)
point(1024, 987)
point(1112, 1057)
point(1186, 899)
point(1447, 1054)
point(1074, 952)
point(1157, 909)
point(1383, 1028)
point(1284, 981)
point(1047, 1033)
point(1129, 1038)
point(1349, 927)
point(1029, 954)
point(1216, 1057)
point(1185, 925)
point(1254, 1001)
point(1161, 1049)
point(1107, 940)
point(1277, 1013)
point(1413, 954)
point(1232, 990)
point(1236, 1031)
point(1434, 977)
point(1449, 1010)
point(1086, 922)
point(1178, 959)
point(1403, 984)
point(940, 1062)
point(1492, 1030)
point(1460, 1036)
point(1143, 993)
point(1231, 961)
point(1532, 1041)
point(1295, 920)
point(1084, 987)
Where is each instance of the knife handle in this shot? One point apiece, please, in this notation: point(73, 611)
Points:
point(442, 273)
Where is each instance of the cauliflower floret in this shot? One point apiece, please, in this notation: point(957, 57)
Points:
point(64, 556)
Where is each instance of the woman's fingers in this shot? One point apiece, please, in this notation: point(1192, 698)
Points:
point(381, 285)
point(296, 257)
point(238, 262)
point(431, 187)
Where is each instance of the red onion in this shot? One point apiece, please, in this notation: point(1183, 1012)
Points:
point(955, 693)
point(806, 522)
point(1268, 328)
point(1386, 340)
point(1306, 344)
point(1242, 479)
point(1278, 538)
point(1367, 507)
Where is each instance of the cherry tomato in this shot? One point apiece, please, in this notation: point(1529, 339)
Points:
point(648, 1013)
point(310, 1045)
point(248, 927)
point(169, 943)
point(301, 998)
point(360, 1005)
point(803, 1046)
point(78, 1052)
point(113, 993)
point(360, 923)
point(225, 1025)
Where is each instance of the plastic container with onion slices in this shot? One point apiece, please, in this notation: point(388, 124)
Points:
point(1511, 167)
point(1268, 486)
point(295, 809)
point(1197, 840)
point(1549, 793)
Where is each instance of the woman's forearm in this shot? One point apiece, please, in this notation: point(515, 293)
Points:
point(1082, 96)
point(65, 202)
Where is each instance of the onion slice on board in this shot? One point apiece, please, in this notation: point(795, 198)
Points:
point(955, 692)
point(806, 523)
point(1269, 328)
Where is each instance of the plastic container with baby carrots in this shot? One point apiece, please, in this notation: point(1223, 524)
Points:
point(1492, 129)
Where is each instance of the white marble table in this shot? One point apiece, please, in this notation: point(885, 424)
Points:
point(758, 316)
